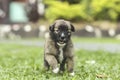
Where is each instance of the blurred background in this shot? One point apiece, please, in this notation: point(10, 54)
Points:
point(23, 24)
point(31, 18)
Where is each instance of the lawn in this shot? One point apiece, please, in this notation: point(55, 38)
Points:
point(25, 62)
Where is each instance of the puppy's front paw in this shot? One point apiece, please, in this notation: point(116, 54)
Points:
point(72, 74)
point(56, 70)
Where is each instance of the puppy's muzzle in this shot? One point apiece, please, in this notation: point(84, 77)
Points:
point(62, 38)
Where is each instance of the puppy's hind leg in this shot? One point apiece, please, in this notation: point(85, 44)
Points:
point(70, 65)
point(52, 62)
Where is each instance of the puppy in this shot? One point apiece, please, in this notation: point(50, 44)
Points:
point(59, 47)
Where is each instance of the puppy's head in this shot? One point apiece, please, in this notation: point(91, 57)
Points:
point(61, 31)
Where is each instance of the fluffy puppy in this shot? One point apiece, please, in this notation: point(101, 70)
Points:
point(59, 47)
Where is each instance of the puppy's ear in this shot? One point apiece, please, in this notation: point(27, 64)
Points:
point(51, 28)
point(72, 28)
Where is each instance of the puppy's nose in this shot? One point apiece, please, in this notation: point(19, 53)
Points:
point(62, 36)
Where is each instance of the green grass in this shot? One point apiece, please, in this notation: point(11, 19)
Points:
point(18, 62)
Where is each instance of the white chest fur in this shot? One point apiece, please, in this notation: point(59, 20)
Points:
point(61, 51)
point(61, 54)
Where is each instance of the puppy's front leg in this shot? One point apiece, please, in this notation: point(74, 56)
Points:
point(52, 62)
point(62, 65)
point(70, 66)
point(46, 65)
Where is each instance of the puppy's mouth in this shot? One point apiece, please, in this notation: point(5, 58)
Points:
point(61, 43)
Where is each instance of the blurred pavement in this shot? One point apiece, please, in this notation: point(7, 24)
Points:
point(110, 47)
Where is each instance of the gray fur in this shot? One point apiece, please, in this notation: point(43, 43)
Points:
point(52, 51)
